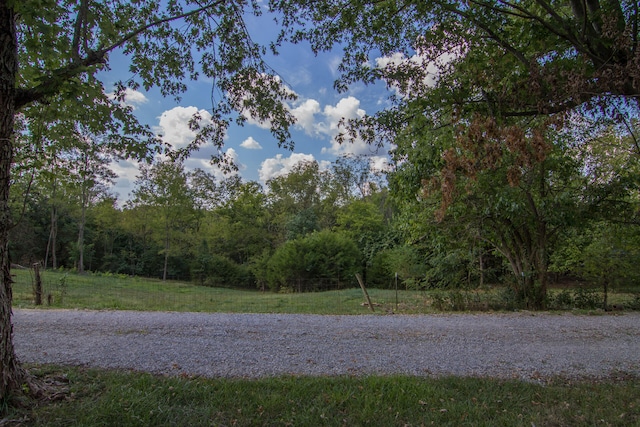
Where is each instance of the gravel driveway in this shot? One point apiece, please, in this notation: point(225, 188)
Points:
point(515, 345)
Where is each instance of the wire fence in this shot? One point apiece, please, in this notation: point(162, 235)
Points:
point(59, 289)
point(105, 291)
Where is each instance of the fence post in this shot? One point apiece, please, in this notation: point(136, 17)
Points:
point(37, 290)
point(366, 294)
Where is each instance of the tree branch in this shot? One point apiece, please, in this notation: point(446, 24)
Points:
point(49, 84)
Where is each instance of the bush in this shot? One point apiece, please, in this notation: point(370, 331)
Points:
point(219, 271)
point(313, 261)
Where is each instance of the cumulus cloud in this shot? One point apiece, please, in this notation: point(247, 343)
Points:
point(216, 171)
point(251, 144)
point(280, 166)
point(132, 98)
point(173, 125)
point(127, 172)
point(380, 164)
point(347, 108)
point(305, 116)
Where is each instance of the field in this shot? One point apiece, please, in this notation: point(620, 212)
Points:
point(112, 292)
point(113, 398)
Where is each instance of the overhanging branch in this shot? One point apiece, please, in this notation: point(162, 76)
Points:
point(50, 83)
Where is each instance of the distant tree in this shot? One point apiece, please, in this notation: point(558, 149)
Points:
point(162, 188)
point(295, 198)
point(92, 176)
point(241, 230)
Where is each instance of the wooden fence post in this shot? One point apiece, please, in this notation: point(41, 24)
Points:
point(366, 294)
point(37, 290)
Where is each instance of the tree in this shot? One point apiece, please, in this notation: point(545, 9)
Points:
point(491, 72)
point(163, 189)
point(294, 199)
point(490, 57)
point(93, 175)
point(519, 205)
point(241, 229)
point(50, 52)
point(309, 262)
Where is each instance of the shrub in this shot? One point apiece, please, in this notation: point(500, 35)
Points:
point(313, 261)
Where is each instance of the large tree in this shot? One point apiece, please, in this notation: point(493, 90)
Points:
point(479, 65)
point(50, 52)
point(502, 58)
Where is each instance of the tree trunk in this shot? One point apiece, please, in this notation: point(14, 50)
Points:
point(53, 237)
point(166, 251)
point(12, 375)
point(83, 220)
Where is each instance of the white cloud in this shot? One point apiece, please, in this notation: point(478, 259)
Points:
point(127, 171)
point(305, 116)
point(205, 165)
point(379, 164)
point(251, 144)
point(279, 165)
point(173, 125)
point(347, 108)
point(132, 98)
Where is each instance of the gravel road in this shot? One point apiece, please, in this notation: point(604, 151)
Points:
point(530, 346)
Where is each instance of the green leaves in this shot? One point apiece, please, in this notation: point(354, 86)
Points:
point(62, 44)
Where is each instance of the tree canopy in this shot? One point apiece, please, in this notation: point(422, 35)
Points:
point(500, 58)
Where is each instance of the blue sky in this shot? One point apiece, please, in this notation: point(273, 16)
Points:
point(318, 109)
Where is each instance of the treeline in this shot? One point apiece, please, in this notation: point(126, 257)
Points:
point(310, 229)
point(571, 212)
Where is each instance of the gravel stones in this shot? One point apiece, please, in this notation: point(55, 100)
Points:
point(529, 346)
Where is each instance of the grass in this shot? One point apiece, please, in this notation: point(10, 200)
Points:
point(114, 398)
point(117, 398)
point(100, 292)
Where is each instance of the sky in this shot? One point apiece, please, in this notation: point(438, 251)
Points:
point(318, 110)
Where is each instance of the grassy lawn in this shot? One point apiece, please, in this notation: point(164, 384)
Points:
point(132, 293)
point(105, 398)
point(98, 292)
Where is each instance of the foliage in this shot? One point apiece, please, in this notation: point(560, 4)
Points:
point(313, 261)
point(465, 64)
point(51, 54)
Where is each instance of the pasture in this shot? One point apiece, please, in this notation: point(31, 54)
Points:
point(117, 292)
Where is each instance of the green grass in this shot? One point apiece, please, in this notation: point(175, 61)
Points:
point(115, 398)
point(110, 398)
point(132, 293)
point(98, 292)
